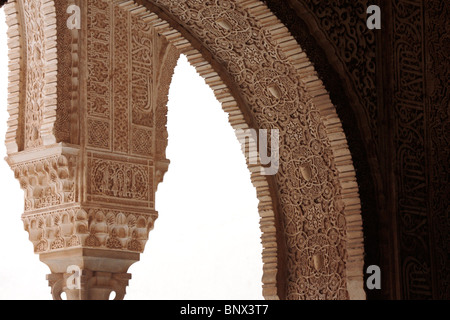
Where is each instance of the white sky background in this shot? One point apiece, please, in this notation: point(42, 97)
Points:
point(206, 242)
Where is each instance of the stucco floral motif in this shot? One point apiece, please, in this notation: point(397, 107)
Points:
point(109, 229)
point(47, 182)
point(35, 72)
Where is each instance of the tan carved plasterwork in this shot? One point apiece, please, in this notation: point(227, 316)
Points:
point(47, 182)
point(123, 97)
point(94, 228)
point(263, 80)
point(119, 179)
point(43, 74)
point(48, 176)
point(164, 79)
point(41, 69)
point(36, 56)
point(16, 88)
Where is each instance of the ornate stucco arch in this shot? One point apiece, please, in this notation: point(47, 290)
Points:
point(87, 137)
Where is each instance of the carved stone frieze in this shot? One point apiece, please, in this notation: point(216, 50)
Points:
point(129, 72)
point(48, 176)
point(89, 228)
point(109, 178)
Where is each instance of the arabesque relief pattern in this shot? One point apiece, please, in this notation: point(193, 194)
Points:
point(96, 228)
point(66, 127)
point(124, 58)
point(129, 59)
point(122, 95)
point(343, 24)
point(119, 166)
point(414, 44)
point(36, 56)
point(41, 70)
point(47, 182)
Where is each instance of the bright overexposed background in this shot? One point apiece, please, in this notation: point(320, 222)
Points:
point(206, 242)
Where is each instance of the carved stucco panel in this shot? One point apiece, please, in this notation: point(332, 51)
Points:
point(89, 228)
